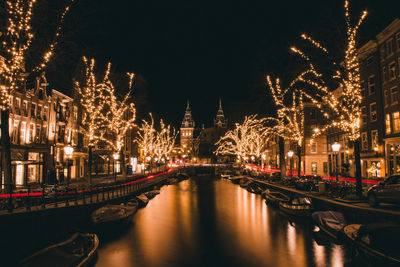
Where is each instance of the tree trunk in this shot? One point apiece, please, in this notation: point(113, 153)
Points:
point(357, 159)
point(299, 156)
point(282, 161)
point(90, 165)
point(123, 167)
point(6, 152)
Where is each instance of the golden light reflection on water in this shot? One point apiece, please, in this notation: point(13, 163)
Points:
point(202, 222)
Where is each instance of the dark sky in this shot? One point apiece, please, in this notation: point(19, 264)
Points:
point(203, 50)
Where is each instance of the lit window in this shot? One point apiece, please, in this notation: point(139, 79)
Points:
point(371, 84)
point(374, 138)
point(394, 95)
point(372, 113)
point(392, 70)
point(22, 132)
point(387, 124)
point(364, 116)
point(396, 122)
point(386, 97)
point(313, 147)
point(364, 141)
point(389, 47)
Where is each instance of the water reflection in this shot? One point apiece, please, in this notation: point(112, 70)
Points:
point(209, 222)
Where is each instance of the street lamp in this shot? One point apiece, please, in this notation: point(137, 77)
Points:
point(116, 157)
point(336, 148)
point(290, 155)
point(68, 151)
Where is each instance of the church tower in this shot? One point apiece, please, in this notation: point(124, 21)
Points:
point(220, 121)
point(187, 129)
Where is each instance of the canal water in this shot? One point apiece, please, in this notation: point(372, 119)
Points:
point(206, 221)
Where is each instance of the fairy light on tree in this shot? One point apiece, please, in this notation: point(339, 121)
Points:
point(92, 102)
point(16, 41)
point(289, 102)
point(343, 110)
point(247, 139)
point(120, 115)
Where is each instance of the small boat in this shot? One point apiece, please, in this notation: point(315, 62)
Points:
point(244, 182)
point(182, 176)
point(173, 180)
point(112, 215)
point(151, 194)
point(273, 198)
point(254, 188)
point(331, 223)
point(236, 179)
point(143, 200)
point(298, 206)
point(226, 174)
point(132, 203)
point(79, 250)
point(377, 242)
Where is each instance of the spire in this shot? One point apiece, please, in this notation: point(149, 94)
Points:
point(187, 121)
point(220, 120)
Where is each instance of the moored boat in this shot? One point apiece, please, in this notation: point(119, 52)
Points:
point(143, 200)
point(79, 250)
point(331, 223)
point(151, 194)
point(244, 182)
point(236, 179)
point(274, 197)
point(112, 215)
point(377, 242)
point(298, 206)
point(182, 176)
point(254, 188)
point(132, 203)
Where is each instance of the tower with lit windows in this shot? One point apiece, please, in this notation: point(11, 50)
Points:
point(187, 129)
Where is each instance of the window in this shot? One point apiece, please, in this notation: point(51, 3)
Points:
point(45, 109)
point(371, 84)
point(14, 134)
point(385, 74)
point(370, 60)
point(386, 98)
point(33, 110)
point(313, 147)
point(75, 113)
point(17, 102)
point(362, 88)
point(392, 70)
point(364, 141)
point(394, 95)
point(37, 135)
point(387, 124)
point(25, 108)
point(383, 54)
point(364, 116)
point(389, 46)
point(324, 150)
point(39, 111)
point(22, 133)
point(398, 40)
point(372, 111)
point(44, 134)
point(396, 121)
point(374, 138)
point(325, 167)
point(31, 132)
point(314, 167)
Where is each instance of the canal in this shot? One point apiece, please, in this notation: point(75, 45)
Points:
point(206, 221)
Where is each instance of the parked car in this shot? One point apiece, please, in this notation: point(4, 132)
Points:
point(387, 191)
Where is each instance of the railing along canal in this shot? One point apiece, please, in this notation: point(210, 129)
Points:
point(54, 196)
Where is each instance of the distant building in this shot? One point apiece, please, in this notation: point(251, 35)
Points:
point(220, 120)
point(187, 131)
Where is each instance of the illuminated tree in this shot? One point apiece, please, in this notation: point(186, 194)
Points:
point(155, 144)
point(289, 123)
point(247, 139)
point(120, 116)
point(16, 41)
point(343, 110)
point(92, 102)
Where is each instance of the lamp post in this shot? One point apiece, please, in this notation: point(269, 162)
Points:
point(68, 150)
point(116, 157)
point(290, 155)
point(336, 148)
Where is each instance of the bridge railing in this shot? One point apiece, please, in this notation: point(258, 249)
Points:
point(54, 196)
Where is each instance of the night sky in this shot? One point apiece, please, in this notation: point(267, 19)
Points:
point(203, 50)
